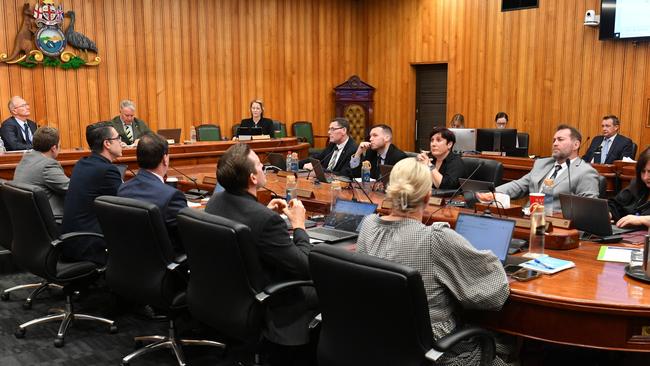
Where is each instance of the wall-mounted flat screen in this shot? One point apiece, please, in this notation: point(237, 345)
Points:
point(624, 19)
point(508, 5)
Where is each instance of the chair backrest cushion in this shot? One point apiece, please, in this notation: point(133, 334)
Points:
point(139, 250)
point(225, 274)
point(491, 171)
point(34, 228)
point(208, 132)
point(280, 129)
point(305, 130)
point(374, 311)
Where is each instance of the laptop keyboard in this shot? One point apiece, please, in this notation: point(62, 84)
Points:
point(331, 232)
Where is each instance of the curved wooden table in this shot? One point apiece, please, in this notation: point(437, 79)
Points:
point(592, 305)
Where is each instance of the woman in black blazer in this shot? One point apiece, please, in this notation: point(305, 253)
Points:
point(257, 118)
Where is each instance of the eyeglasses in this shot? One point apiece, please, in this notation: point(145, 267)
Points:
point(113, 138)
point(22, 105)
point(332, 129)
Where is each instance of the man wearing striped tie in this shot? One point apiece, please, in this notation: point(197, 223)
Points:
point(127, 126)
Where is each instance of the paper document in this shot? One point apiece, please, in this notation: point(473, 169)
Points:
point(615, 254)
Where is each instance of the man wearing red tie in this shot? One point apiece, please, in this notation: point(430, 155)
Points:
point(18, 130)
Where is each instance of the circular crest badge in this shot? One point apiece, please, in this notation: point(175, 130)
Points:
point(51, 41)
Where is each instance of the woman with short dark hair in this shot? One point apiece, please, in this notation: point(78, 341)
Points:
point(446, 167)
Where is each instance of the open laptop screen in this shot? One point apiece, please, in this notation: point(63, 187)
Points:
point(486, 233)
point(347, 215)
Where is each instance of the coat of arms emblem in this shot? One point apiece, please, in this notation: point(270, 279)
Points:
point(41, 39)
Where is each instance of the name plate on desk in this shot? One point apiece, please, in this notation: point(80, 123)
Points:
point(210, 180)
point(556, 221)
point(305, 193)
point(261, 137)
point(284, 173)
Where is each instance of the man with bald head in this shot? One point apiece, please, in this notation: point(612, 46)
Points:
point(18, 130)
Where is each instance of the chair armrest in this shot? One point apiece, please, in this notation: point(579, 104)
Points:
point(447, 342)
point(75, 234)
point(278, 287)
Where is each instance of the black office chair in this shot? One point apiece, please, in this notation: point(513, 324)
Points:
point(490, 171)
point(522, 142)
point(235, 127)
point(634, 150)
point(375, 312)
point(602, 186)
point(143, 267)
point(36, 247)
point(280, 129)
point(6, 237)
point(228, 289)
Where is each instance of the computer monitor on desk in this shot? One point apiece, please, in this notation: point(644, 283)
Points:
point(465, 139)
point(496, 139)
point(246, 133)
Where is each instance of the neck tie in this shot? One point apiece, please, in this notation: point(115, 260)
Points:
point(604, 151)
point(332, 162)
point(557, 169)
point(27, 131)
point(129, 133)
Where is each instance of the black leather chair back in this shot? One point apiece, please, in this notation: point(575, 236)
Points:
point(225, 274)
point(602, 186)
point(34, 228)
point(374, 312)
point(522, 139)
point(6, 231)
point(491, 171)
point(139, 250)
point(635, 147)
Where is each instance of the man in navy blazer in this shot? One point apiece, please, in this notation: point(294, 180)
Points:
point(92, 176)
point(336, 157)
point(148, 185)
point(18, 130)
point(611, 145)
point(379, 151)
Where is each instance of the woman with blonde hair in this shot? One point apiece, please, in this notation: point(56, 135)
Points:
point(455, 275)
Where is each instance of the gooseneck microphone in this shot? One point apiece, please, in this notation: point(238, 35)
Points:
point(480, 164)
point(351, 176)
point(193, 180)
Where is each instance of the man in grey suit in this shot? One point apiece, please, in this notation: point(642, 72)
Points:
point(40, 168)
point(127, 126)
point(563, 164)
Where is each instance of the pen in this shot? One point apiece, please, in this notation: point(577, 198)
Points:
point(542, 264)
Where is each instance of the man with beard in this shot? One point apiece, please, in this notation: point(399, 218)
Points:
point(584, 178)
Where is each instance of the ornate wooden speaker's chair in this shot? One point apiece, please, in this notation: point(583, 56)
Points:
point(354, 101)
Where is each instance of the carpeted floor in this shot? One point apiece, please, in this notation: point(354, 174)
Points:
point(86, 343)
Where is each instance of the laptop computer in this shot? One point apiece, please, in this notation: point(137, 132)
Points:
point(591, 215)
point(489, 233)
point(343, 222)
point(171, 134)
point(320, 173)
point(249, 131)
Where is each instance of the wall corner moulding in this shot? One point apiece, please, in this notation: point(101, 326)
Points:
point(41, 39)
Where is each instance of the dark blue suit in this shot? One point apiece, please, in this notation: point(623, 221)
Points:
point(12, 134)
point(92, 176)
point(145, 186)
point(620, 147)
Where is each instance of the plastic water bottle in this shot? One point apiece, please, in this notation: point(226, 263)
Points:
point(547, 189)
point(289, 162)
point(294, 162)
point(192, 134)
point(537, 229)
point(291, 187)
point(335, 192)
point(365, 174)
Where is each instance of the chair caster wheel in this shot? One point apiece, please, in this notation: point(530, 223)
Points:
point(112, 329)
point(27, 305)
point(59, 342)
point(4, 296)
point(20, 333)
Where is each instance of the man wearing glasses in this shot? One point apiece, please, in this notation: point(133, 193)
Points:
point(17, 131)
point(336, 157)
point(92, 176)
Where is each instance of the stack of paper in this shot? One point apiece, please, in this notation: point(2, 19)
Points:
point(548, 264)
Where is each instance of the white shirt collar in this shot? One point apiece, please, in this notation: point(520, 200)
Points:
point(342, 144)
point(158, 176)
point(611, 139)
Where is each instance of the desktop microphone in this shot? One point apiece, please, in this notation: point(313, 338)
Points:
point(193, 180)
point(350, 175)
point(480, 164)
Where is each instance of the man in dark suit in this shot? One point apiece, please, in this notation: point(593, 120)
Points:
point(336, 157)
point(148, 185)
point(18, 130)
point(92, 176)
point(127, 126)
point(382, 151)
point(282, 258)
point(611, 145)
